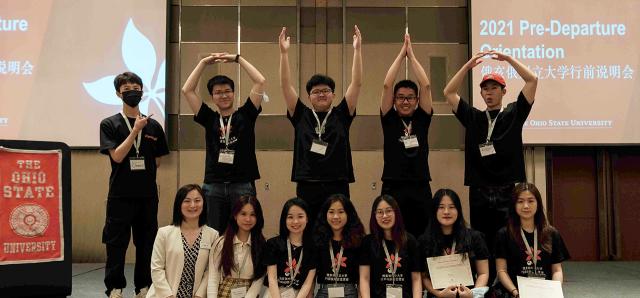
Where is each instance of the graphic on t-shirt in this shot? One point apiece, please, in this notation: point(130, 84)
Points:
point(390, 261)
point(342, 261)
point(290, 267)
point(530, 257)
point(530, 269)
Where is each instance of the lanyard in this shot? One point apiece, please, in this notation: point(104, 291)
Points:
point(296, 270)
point(244, 260)
point(453, 249)
point(492, 123)
point(407, 128)
point(394, 265)
point(136, 142)
point(335, 263)
point(534, 252)
point(320, 127)
point(226, 130)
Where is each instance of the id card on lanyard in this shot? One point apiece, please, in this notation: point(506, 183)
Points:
point(318, 145)
point(393, 290)
point(533, 253)
point(409, 140)
point(135, 163)
point(240, 292)
point(335, 291)
point(225, 155)
point(487, 149)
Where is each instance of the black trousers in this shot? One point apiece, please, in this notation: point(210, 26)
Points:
point(124, 216)
point(414, 200)
point(316, 193)
point(489, 213)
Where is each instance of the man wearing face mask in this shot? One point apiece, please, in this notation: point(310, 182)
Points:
point(134, 143)
point(406, 129)
point(231, 166)
point(322, 163)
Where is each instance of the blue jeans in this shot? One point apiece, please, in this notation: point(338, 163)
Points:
point(350, 290)
point(220, 197)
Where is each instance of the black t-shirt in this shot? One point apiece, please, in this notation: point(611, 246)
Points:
point(476, 251)
point(507, 165)
point(242, 139)
point(349, 265)
point(275, 253)
point(520, 263)
point(372, 254)
point(400, 163)
point(123, 182)
point(336, 164)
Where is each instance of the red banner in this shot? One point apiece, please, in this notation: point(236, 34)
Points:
point(30, 206)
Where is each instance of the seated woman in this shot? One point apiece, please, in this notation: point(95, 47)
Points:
point(389, 263)
point(528, 246)
point(447, 234)
point(338, 234)
point(181, 250)
point(235, 268)
point(289, 257)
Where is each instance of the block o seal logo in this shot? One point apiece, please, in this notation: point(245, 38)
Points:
point(29, 220)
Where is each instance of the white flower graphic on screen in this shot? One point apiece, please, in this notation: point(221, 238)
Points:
point(139, 56)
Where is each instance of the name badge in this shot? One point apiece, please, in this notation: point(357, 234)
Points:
point(288, 293)
point(410, 142)
point(487, 149)
point(394, 291)
point(238, 292)
point(337, 292)
point(226, 156)
point(136, 163)
point(319, 146)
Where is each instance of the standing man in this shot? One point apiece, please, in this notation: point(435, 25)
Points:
point(406, 150)
point(134, 143)
point(321, 154)
point(494, 158)
point(231, 167)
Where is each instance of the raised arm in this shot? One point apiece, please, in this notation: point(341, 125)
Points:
point(189, 88)
point(386, 99)
point(426, 101)
point(257, 90)
point(452, 88)
point(353, 91)
point(119, 153)
point(530, 78)
point(290, 94)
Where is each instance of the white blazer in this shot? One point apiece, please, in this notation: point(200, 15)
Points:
point(167, 262)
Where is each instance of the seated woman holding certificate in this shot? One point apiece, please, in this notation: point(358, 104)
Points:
point(181, 250)
point(456, 257)
point(389, 265)
point(528, 246)
point(235, 267)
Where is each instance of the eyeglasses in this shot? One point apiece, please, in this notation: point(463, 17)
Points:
point(317, 92)
point(221, 93)
point(410, 98)
point(381, 212)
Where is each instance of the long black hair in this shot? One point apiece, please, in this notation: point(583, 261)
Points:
point(398, 232)
point(257, 239)
point(540, 220)
point(284, 232)
point(353, 231)
point(433, 239)
point(181, 194)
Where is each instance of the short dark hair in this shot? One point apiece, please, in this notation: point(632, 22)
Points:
point(126, 77)
point(181, 194)
point(406, 84)
point(220, 80)
point(353, 231)
point(398, 233)
point(320, 79)
point(284, 232)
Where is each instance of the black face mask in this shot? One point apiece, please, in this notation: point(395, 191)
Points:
point(132, 97)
